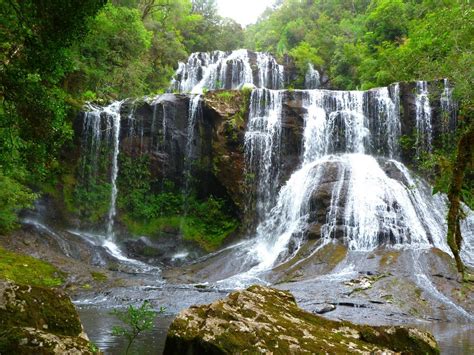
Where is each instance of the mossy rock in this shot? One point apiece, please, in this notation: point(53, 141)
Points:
point(266, 320)
point(37, 307)
point(26, 341)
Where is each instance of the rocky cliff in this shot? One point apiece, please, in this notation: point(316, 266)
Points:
point(197, 143)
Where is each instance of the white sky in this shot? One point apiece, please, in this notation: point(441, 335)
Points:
point(243, 11)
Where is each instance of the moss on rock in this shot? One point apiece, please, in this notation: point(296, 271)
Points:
point(28, 270)
point(38, 320)
point(37, 307)
point(262, 319)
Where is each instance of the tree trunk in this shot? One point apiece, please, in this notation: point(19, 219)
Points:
point(463, 160)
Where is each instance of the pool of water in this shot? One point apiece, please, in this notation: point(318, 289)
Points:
point(98, 323)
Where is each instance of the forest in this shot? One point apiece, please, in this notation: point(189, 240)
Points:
point(156, 143)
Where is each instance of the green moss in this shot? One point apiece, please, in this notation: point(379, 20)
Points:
point(276, 329)
point(226, 96)
point(28, 270)
point(39, 307)
point(98, 276)
point(191, 228)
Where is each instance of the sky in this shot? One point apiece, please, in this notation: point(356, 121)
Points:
point(243, 11)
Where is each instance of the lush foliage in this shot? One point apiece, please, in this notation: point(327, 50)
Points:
point(13, 197)
point(28, 271)
point(151, 206)
point(367, 43)
point(136, 320)
point(134, 46)
point(36, 38)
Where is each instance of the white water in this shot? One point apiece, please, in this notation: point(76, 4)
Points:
point(425, 283)
point(449, 108)
point(423, 118)
point(270, 73)
point(226, 70)
point(262, 145)
point(113, 250)
point(113, 111)
point(375, 209)
point(312, 78)
point(386, 125)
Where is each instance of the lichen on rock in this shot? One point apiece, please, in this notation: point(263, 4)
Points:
point(37, 320)
point(266, 320)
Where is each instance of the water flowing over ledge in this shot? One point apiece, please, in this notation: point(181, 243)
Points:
point(350, 183)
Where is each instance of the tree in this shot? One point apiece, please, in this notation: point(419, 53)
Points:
point(464, 161)
point(113, 59)
point(36, 37)
point(136, 320)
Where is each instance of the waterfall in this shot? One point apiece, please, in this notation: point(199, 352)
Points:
point(262, 145)
point(423, 118)
point(226, 70)
point(372, 201)
point(114, 112)
point(312, 78)
point(382, 107)
point(101, 130)
point(270, 73)
point(193, 115)
point(91, 143)
point(448, 107)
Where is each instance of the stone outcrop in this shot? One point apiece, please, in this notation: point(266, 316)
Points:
point(36, 320)
point(265, 320)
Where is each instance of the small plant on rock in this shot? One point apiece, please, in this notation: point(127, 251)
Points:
point(136, 320)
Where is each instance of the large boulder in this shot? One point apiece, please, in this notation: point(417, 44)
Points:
point(37, 320)
point(266, 320)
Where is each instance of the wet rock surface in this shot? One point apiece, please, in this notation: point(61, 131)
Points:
point(40, 321)
point(262, 319)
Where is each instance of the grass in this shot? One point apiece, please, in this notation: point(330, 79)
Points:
point(226, 96)
point(98, 276)
point(27, 270)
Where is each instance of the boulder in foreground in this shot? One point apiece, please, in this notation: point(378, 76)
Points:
point(37, 320)
point(265, 320)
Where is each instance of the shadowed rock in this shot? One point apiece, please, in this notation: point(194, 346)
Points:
point(36, 320)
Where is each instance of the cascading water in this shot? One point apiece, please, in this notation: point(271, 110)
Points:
point(270, 73)
point(368, 206)
point(449, 108)
point(193, 116)
point(312, 78)
point(423, 118)
point(113, 111)
point(382, 107)
point(226, 70)
point(262, 145)
point(101, 130)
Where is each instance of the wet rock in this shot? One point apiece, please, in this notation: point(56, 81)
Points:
point(325, 309)
point(264, 320)
point(36, 320)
